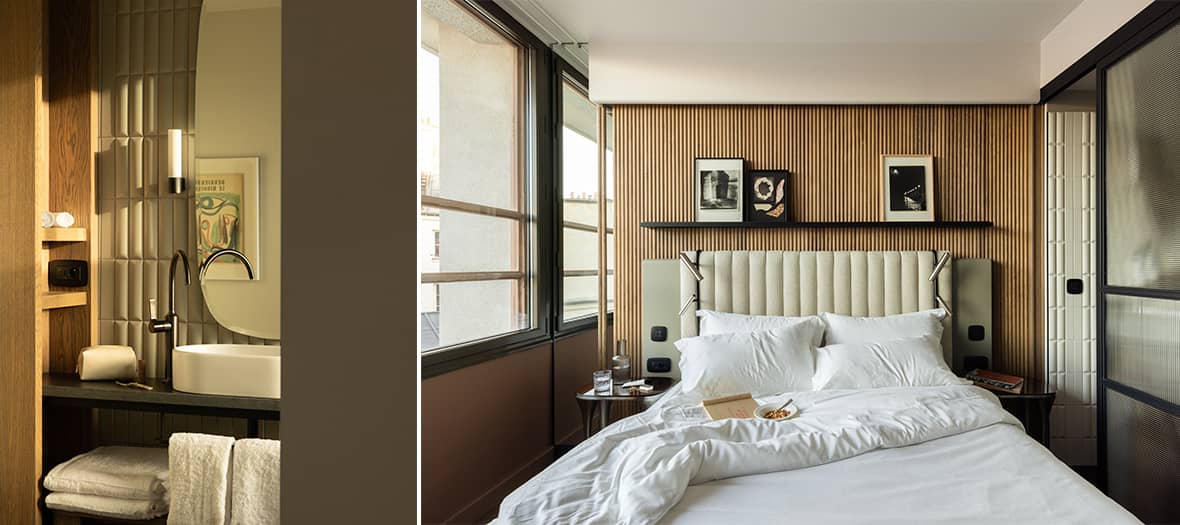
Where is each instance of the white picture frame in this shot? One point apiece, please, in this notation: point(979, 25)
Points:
point(718, 189)
point(907, 188)
point(209, 173)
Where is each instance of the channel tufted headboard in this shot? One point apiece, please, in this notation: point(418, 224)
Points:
point(860, 283)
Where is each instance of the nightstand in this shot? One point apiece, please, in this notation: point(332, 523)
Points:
point(588, 401)
point(1031, 406)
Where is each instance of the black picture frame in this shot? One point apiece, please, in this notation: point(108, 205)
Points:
point(768, 196)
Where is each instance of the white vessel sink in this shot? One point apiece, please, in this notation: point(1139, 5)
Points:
point(227, 370)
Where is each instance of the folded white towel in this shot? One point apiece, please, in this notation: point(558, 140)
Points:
point(254, 498)
point(116, 472)
point(198, 478)
point(131, 509)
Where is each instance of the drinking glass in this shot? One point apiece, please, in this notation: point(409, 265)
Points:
point(602, 382)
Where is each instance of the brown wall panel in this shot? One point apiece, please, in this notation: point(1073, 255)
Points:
point(984, 170)
point(486, 428)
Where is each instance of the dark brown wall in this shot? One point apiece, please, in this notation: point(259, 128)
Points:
point(348, 146)
point(489, 427)
point(483, 427)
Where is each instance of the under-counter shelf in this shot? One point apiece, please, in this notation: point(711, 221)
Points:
point(67, 389)
point(52, 300)
point(829, 224)
point(63, 234)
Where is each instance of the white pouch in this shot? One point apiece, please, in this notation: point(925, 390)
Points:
point(106, 362)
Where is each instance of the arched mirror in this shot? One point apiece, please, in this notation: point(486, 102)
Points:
point(237, 177)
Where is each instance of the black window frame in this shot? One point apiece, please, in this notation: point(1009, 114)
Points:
point(563, 71)
point(538, 149)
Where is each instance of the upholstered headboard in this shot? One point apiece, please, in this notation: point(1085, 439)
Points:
point(860, 283)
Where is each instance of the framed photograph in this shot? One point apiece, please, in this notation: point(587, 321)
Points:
point(767, 193)
point(226, 196)
point(718, 189)
point(907, 183)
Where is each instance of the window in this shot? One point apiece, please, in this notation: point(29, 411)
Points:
point(580, 200)
point(477, 196)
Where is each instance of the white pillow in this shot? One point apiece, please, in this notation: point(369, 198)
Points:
point(911, 361)
point(728, 323)
point(845, 329)
point(763, 362)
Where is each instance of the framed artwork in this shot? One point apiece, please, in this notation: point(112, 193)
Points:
point(767, 193)
point(718, 189)
point(226, 196)
point(907, 183)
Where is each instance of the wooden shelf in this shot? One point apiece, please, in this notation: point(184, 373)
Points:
point(53, 300)
point(836, 224)
point(63, 234)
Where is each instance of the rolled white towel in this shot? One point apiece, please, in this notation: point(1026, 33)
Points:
point(119, 508)
point(254, 498)
point(198, 478)
point(116, 472)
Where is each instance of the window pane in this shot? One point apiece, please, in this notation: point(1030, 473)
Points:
point(476, 221)
point(468, 242)
point(579, 184)
point(469, 311)
point(474, 102)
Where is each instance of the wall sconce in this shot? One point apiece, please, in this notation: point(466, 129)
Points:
point(696, 273)
point(934, 277)
point(692, 267)
point(175, 161)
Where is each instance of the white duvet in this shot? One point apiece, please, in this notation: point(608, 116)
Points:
point(635, 471)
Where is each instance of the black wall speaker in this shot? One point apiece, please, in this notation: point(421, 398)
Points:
point(68, 272)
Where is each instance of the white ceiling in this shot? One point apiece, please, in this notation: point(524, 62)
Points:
point(816, 21)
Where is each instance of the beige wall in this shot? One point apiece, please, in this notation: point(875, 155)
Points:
point(1082, 29)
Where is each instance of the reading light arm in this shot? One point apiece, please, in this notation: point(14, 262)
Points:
point(692, 267)
point(691, 299)
point(946, 257)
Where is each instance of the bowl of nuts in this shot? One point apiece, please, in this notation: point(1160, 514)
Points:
point(776, 412)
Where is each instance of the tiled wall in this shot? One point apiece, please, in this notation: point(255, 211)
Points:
point(1070, 351)
point(147, 70)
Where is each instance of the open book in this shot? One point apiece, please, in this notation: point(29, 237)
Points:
point(996, 381)
point(736, 406)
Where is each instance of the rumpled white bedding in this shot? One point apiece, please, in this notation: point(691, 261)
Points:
point(636, 470)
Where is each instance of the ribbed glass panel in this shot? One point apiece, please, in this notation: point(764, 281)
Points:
point(1143, 458)
point(1143, 166)
point(1143, 344)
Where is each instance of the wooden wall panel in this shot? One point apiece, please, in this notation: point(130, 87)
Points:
point(24, 164)
point(984, 170)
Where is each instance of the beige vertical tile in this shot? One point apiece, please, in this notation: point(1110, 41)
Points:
point(121, 290)
point(163, 107)
point(122, 175)
point(122, 228)
point(135, 232)
point(135, 105)
point(106, 296)
point(136, 306)
point(179, 44)
point(106, 229)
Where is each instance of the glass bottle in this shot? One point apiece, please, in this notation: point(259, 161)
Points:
point(621, 364)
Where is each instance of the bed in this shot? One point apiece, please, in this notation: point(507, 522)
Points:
point(902, 442)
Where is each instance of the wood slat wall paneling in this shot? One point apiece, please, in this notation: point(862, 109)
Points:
point(984, 171)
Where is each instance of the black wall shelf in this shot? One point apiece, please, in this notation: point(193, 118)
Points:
point(837, 224)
